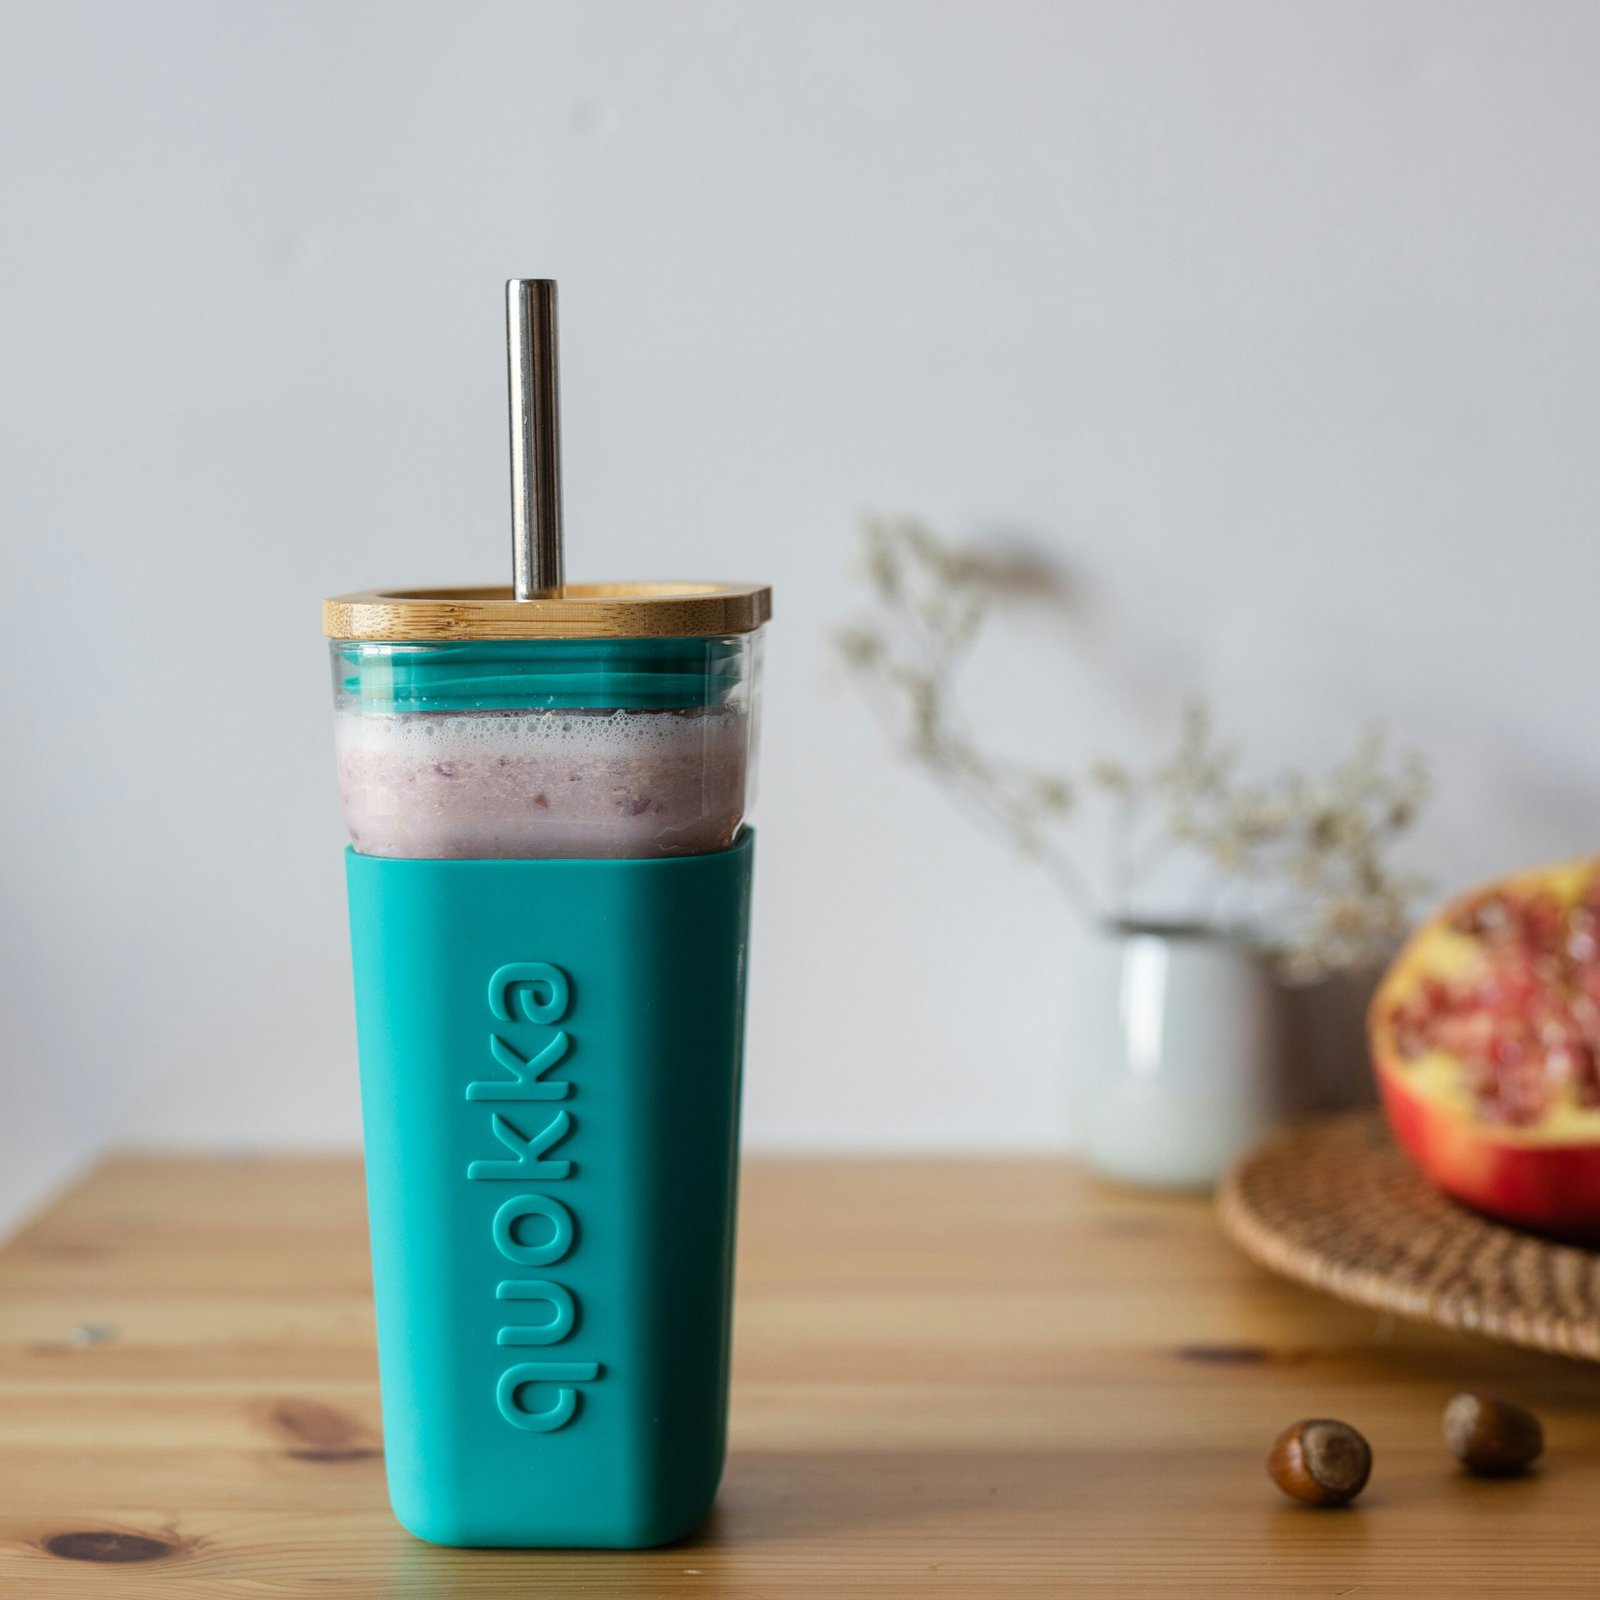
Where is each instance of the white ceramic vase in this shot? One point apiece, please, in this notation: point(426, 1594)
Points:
point(1182, 1054)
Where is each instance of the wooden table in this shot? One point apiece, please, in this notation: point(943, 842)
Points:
point(952, 1378)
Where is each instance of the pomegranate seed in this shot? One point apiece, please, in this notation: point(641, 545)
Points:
point(1524, 1026)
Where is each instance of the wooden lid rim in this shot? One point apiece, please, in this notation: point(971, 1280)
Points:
point(581, 611)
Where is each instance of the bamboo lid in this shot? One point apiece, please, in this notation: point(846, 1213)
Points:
point(579, 611)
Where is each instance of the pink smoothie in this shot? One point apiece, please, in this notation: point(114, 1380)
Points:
point(522, 784)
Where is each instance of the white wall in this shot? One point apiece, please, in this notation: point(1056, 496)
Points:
point(1277, 322)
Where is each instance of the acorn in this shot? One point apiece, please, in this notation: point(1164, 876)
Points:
point(1491, 1437)
point(1321, 1462)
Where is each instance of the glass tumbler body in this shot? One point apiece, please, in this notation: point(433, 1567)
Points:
point(545, 748)
point(549, 894)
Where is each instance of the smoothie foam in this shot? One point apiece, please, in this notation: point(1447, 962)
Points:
point(529, 784)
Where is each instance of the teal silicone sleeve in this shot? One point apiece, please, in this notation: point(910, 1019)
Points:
point(550, 1072)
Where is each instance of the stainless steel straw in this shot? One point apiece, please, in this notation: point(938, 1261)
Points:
point(535, 437)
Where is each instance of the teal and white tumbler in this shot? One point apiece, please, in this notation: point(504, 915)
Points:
point(549, 879)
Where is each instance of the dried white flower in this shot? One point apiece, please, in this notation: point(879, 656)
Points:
point(1313, 850)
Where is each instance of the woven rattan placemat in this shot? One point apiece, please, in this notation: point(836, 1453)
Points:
point(1334, 1204)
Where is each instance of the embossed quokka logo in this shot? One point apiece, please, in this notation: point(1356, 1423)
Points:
point(532, 1230)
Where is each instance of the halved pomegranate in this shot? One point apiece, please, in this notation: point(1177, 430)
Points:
point(1486, 1036)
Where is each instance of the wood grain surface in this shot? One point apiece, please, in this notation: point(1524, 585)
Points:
point(952, 1378)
